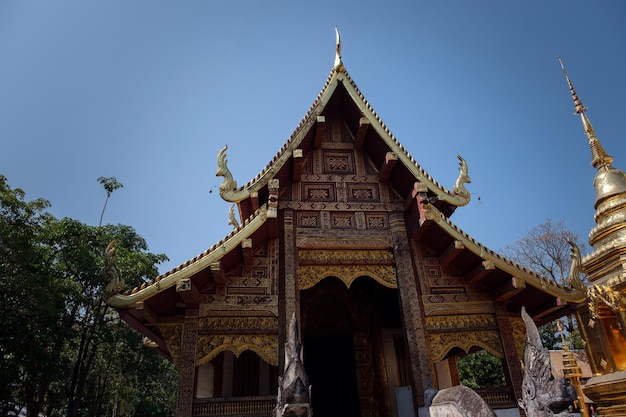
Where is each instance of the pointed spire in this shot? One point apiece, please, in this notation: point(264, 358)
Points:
point(600, 159)
point(338, 66)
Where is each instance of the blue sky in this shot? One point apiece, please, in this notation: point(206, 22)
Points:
point(150, 91)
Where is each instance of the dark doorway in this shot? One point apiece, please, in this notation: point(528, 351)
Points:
point(329, 363)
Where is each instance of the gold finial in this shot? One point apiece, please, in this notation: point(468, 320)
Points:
point(600, 159)
point(338, 66)
point(578, 105)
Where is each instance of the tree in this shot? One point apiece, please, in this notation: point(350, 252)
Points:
point(63, 351)
point(481, 370)
point(110, 184)
point(545, 249)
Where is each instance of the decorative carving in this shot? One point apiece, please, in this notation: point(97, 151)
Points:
point(459, 186)
point(612, 298)
point(318, 192)
point(576, 268)
point(519, 334)
point(232, 220)
point(264, 345)
point(472, 307)
point(362, 192)
point(294, 391)
point(312, 274)
point(229, 183)
point(464, 321)
point(441, 343)
point(172, 334)
point(187, 367)
point(110, 271)
point(346, 257)
point(338, 162)
point(539, 388)
point(308, 219)
point(376, 221)
point(217, 324)
point(214, 302)
point(342, 220)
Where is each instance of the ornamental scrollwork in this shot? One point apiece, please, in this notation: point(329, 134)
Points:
point(460, 321)
point(264, 345)
point(383, 274)
point(441, 343)
point(217, 324)
point(172, 334)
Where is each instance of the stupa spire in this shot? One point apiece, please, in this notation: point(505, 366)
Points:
point(601, 160)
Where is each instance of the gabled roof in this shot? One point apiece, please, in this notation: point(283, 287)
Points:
point(369, 132)
point(428, 203)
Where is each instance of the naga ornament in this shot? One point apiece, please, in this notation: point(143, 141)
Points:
point(110, 271)
point(229, 183)
point(539, 389)
point(459, 186)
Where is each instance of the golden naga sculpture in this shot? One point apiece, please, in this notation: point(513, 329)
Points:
point(229, 183)
point(232, 220)
point(459, 186)
point(576, 268)
point(110, 271)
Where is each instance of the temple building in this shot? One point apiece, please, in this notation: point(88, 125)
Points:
point(346, 232)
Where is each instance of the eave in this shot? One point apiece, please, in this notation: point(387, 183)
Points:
point(194, 266)
point(509, 283)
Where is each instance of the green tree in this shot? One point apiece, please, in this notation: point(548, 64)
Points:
point(110, 184)
point(481, 370)
point(63, 351)
point(32, 302)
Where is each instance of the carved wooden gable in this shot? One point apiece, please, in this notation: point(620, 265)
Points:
point(341, 211)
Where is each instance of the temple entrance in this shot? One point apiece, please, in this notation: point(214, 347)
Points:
point(343, 333)
point(331, 370)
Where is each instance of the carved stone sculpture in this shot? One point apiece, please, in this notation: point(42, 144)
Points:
point(294, 394)
point(542, 394)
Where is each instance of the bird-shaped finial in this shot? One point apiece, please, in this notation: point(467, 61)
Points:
point(338, 66)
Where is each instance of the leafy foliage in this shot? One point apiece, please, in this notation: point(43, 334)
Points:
point(481, 370)
point(63, 350)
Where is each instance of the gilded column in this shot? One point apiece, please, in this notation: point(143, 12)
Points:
point(509, 348)
point(411, 310)
point(187, 364)
point(288, 288)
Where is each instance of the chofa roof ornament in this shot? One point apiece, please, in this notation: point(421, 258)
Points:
point(338, 66)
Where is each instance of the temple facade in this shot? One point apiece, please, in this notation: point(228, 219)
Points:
point(346, 232)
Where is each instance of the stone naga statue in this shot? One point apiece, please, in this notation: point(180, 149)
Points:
point(294, 393)
point(539, 389)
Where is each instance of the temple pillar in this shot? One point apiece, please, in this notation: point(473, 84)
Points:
point(411, 309)
point(509, 349)
point(288, 286)
point(187, 364)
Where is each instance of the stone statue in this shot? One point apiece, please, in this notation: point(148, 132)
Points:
point(542, 394)
point(294, 392)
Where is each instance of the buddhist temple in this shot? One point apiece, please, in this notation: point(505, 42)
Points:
point(344, 240)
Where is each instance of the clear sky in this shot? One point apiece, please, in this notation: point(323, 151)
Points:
point(150, 91)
